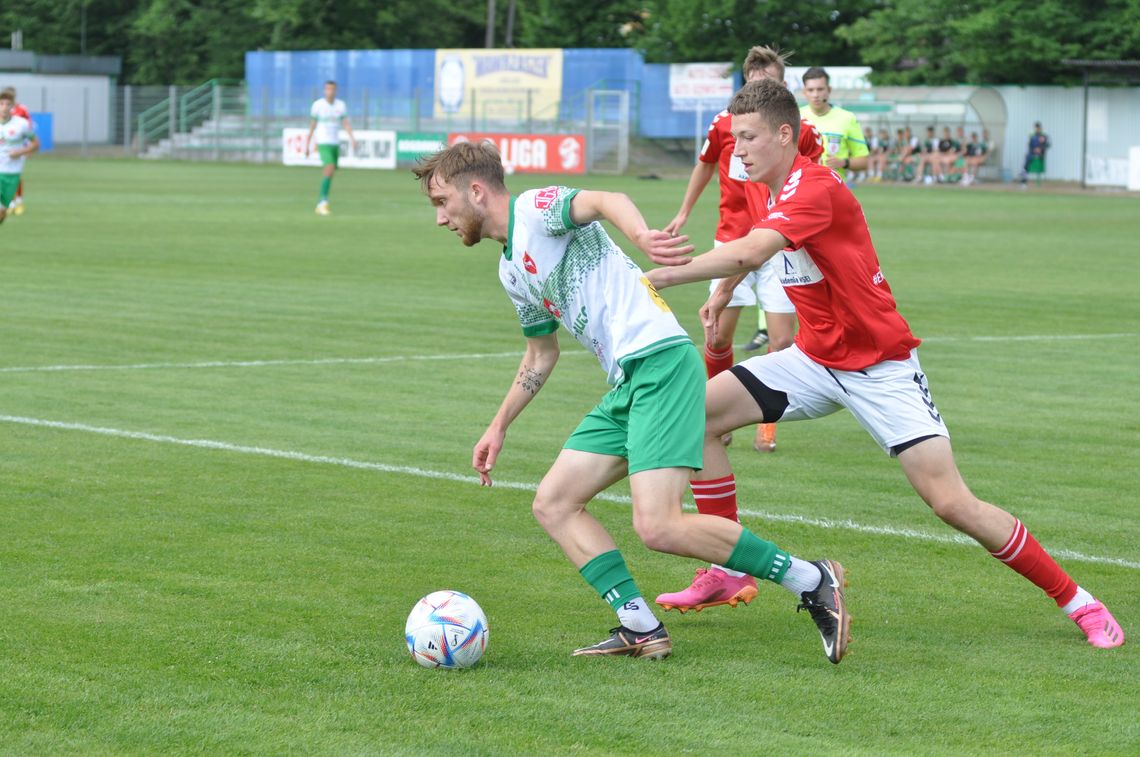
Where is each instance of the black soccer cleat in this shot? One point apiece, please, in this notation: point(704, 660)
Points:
point(654, 644)
point(828, 608)
point(759, 341)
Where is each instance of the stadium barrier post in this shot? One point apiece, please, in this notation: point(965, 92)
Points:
point(127, 120)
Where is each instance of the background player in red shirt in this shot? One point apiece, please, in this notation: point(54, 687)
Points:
point(716, 585)
point(17, 206)
point(853, 349)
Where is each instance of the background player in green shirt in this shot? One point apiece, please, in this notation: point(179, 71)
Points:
point(844, 146)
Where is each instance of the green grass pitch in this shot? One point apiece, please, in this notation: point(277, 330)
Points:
point(235, 446)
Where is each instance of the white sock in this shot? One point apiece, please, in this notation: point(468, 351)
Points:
point(1079, 600)
point(636, 615)
point(729, 571)
point(801, 576)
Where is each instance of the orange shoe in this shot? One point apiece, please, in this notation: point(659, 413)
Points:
point(765, 437)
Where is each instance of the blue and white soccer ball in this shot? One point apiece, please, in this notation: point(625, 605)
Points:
point(446, 629)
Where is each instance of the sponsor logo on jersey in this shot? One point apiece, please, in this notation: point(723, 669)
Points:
point(544, 198)
point(777, 216)
point(581, 321)
point(551, 308)
point(798, 269)
point(528, 263)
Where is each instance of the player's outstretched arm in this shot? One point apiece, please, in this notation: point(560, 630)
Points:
point(700, 177)
point(534, 370)
point(730, 259)
point(619, 210)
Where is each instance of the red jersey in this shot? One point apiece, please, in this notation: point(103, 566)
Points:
point(735, 220)
point(21, 111)
point(848, 316)
point(735, 215)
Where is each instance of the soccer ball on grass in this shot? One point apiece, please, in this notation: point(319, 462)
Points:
point(446, 629)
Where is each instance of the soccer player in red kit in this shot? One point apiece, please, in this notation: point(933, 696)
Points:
point(717, 585)
point(853, 350)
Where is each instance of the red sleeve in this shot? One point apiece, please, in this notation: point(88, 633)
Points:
point(802, 209)
point(22, 112)
point(811, 141)
point(710, 153)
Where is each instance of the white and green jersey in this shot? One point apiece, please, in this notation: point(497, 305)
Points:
point(558, 272)
point(328, 117)
point(14, 134)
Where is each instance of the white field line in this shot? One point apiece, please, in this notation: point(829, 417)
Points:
point(825, 523)
point(476, 356)
point(257, 363)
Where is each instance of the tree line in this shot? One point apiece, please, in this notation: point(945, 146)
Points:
point(928, 42)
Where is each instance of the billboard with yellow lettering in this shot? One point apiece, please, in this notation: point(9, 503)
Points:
point(498, 85)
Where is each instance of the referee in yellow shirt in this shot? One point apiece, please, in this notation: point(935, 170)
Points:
point(844, 146)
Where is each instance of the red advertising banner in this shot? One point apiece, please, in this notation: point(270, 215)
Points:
point(533, 153)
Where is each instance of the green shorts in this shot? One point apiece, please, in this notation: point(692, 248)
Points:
point(329, 154)
point(9, 182)
point(655, 418)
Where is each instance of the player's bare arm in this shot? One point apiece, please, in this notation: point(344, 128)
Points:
point(700, 177)
point(309, 136)
point(716, 303)
point(32, 146)
point(732, 259)
point(620, 211)
point(534, 371)
point(351, 136)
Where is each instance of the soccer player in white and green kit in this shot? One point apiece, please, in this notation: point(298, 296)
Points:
point(561, 268)
point(17, 140)
point(328, 115)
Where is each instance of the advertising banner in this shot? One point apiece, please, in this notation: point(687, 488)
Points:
point(534, 153)
point(412, 145)
point(374, 149)
point(499, 84)
point(701, 86)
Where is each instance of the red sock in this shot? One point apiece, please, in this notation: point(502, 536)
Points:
point(717, 362)
point(1027, 557)
point(716, 496)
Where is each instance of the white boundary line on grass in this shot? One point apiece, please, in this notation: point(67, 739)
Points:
point(477, 356)
point(826, 523)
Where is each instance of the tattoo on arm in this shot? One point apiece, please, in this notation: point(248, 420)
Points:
point(530, 380)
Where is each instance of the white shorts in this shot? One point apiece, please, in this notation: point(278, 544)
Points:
point(891, 399)
point(761, 287)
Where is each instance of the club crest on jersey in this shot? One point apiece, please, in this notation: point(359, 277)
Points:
point(544, 198)
point(528, 263)
point(551, 308)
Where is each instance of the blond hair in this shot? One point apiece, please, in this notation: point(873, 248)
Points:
point(760, 57)
point(463, 160)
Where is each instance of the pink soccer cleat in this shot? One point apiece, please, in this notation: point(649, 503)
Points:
point(1099, 626)
point(711, 587)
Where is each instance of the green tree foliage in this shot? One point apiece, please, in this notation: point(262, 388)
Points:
point(566, 23)
point(997, 42)
point(905, 41)
point(683, 31)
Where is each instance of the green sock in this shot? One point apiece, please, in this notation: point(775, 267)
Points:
point(326, 182)
point(762, 321)
point(610, 577)
point(759, 558)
